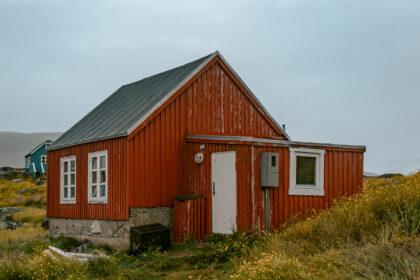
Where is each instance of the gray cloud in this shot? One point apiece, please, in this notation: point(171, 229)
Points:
point(333, 71)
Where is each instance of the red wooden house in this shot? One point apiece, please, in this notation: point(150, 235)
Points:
point(193, 149)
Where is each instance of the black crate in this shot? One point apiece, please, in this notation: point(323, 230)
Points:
point(144, 237)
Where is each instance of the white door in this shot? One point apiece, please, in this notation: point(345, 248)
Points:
point(223, 173)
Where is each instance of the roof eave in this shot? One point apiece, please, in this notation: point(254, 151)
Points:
point(37, 147)
point(52, 148)
point(209, 137)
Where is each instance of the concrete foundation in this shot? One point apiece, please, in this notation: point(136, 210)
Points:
point(113, 233)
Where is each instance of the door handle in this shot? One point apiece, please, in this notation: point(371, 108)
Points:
point(214, 189)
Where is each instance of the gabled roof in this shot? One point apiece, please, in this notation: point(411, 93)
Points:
point(37, 147)
point(128, 107)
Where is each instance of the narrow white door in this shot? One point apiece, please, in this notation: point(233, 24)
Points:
point(223, 173)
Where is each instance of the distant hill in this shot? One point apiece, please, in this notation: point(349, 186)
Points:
point(14, 146)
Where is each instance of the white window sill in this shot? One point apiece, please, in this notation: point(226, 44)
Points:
point(306, 191)
point(97, 201)
point(68, 202)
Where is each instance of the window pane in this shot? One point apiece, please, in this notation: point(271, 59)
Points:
point(72, 192)
point(273, 161)
point(102, 190)
point(94, 191)
point(103, 161)
point(305, 170)
point(94, 162)
point(103, 176)
point(72, 179)
point(94, 177)
point(66, 179)
point(66, 166)
point(65, 192)
point(72, 165)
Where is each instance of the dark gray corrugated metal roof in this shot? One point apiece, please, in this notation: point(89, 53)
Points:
point(120, 111)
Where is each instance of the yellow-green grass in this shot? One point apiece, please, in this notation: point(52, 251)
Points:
point(10, 196)
point(32, 203)
point(14, 239)
point(30, 215)
point(374, 235)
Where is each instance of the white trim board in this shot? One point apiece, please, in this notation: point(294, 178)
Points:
point(269, 141)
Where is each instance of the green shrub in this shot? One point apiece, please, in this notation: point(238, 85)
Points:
point(65, 243)
point(220, 248)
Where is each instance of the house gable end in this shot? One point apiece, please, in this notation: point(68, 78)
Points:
point(238, 89)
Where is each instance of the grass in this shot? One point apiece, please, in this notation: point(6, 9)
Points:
point(9, 194)
point(371, 236)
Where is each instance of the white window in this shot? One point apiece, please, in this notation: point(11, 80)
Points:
point(68, 180)
point(98, 177)
point(43, 159)
point(28, 162)
point(306, 172)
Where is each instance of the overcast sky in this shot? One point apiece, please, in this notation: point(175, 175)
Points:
point(333, 71)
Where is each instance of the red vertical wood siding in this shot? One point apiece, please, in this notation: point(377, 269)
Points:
point(213, 102)
point(116, 208)
point(343, 175)
point(189, 219)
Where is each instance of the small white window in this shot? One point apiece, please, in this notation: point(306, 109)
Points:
point(43, 159)
point(98, 177)
point(68, 180)
point(306, 172)
point(28, 162)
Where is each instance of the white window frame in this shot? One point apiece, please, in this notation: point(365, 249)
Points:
point(28, 162)
point(310, 190)
point(43, 157)
point(98, 199)
point(68, 200)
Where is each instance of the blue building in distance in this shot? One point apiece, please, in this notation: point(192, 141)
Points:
point(36, 160)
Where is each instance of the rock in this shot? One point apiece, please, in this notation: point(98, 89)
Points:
point(390, 175)
point(16, 180)
point(9, 173)
point(8, 210)
point(95, 228)
point(45, 223)
point(22, 191)
point(83, 247)
point(8, 218)
point(13, 225)
point(8, 223)
point(4, 175)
